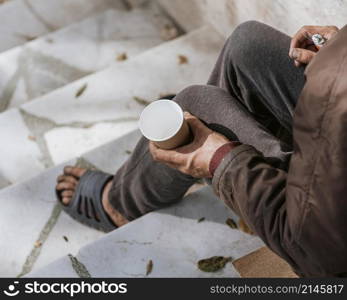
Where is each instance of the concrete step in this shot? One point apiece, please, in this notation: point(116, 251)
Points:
point(60, 126)
point(172, 238)
point(52, 61)
point(24, 20)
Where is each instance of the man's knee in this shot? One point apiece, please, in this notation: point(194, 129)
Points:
point(193, 97)
point(188, 96)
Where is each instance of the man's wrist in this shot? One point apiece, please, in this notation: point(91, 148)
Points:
point(220, 153)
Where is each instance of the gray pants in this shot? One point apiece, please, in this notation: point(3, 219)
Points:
point(250, 97)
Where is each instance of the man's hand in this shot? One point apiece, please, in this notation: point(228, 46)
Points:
point(192, 159)
point(302, 49)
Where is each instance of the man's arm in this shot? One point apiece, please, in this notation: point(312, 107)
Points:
point(254, 188)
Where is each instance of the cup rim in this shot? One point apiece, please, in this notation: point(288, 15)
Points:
point(172, 135)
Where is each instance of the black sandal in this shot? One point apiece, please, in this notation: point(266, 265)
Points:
point(86, 204)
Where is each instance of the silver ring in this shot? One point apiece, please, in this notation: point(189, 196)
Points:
point(318, 39)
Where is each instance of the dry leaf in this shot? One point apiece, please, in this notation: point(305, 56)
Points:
point(149, 267)
point(168, 32)
point(213, 264)
point(244, 227)
point(28, 38)
point(31, 138)
point(231, 223)
point(182, 59)
point(122, 57)
point(65, 238)
point(141, 100)
point(201, 219)
point(38, 244)
point(167, 96)
point(81, 90)
point(128, 152)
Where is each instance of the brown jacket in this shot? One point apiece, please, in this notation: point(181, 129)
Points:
point(302, 214)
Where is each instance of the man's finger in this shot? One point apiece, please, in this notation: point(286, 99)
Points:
point(195, 124)
point(302, 55)
point(298, 39)
point(304, 35)
point(165, 156)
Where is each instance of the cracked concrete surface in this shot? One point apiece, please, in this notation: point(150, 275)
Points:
point(21, 23)
point(48, 63)
point(35, 252)
point(4, 182)
point(39, 17)
point(79, 267)
point(133, 242)
point(40, 127)
point(43, 73)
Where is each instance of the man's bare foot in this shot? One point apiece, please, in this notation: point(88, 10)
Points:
point(66, 185)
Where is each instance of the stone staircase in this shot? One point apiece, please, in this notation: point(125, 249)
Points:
point(25, 20)
point(73, 95)
point(61, 57)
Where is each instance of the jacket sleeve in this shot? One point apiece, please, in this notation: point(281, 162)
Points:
point(253, 187)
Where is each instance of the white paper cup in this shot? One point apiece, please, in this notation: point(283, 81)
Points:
point(163, 123)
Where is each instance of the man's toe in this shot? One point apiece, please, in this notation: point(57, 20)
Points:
point(65, 178)
point(66, 200)
point(74, 171)
point(60, 178)
point(65, 186)
point(67, 196)
point(67, 193)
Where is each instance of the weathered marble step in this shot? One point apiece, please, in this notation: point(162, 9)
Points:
point(58, 126)
point(24, 20)
point(33, 230)
point(172, 238)
point(52, 61)
point(29, 218)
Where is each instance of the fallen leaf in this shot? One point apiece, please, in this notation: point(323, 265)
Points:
point(128, 152)
point(213, 264)
point(122, 57)
point(37, 244)
point(81, 90)
point(231, 223)
point(167, 96)
point(49, 40)
point(244, 227)
point(141, 100)
point(65, 238)
point(26, 37)
point(168, 32)
point(201, 219)
point(149, 267)
point(31, 138)
point(182, 59)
